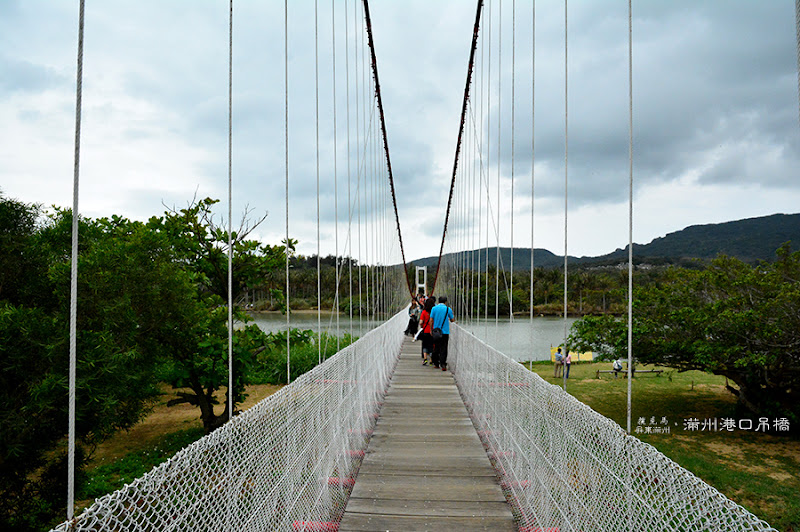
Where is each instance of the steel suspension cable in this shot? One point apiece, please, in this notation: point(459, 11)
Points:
point(513, 125)
point(230, 212)
point(355, 205)
point(349, 176)
point(351, 208)
point(367, 135)
point(470, 65)
point(464, 240)
point(316, 115)
point(566, 177)
point(369, 198)
point(465, 219)
point(533, 159)
point(478, 140)
point(472, 246)
point(488, 161)
point(358, 174)
point(533, 146)
point(630, 211)
point(797, 31)
point(479, 198)
point(73, 294)
point(369, 229)
point(335, 175)
point(385, 139)
point(499, 145)
point(484, 181)
point(286, 178)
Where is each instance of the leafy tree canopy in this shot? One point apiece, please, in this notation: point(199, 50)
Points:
point(730, 319)
point(201, 245)
point(150, 307)
point(135, 303)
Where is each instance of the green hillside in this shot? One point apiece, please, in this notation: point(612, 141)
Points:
point(751, 240)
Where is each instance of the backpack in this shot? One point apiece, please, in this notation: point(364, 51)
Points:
point(436, 332)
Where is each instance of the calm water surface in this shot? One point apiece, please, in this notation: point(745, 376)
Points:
point(521, 339)
point(275, 321)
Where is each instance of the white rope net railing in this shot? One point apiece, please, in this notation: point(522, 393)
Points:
point(563, 466)
point(288, 463)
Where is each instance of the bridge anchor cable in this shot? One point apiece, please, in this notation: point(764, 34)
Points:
point(470, 66)
point(374, 61)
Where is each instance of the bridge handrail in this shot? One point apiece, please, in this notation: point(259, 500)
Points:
point(564, 466)
point(287, 463)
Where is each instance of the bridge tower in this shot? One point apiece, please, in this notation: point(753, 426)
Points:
point(422, 285)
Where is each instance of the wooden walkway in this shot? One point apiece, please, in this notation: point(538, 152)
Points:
point(425, 468)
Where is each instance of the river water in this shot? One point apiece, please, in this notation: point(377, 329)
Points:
point(521, 339)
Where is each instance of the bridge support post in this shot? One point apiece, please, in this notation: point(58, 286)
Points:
point(422, 284)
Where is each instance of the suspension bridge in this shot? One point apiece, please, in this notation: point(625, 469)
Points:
point(372, 440)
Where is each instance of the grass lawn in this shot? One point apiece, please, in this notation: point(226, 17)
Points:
point(759, 470)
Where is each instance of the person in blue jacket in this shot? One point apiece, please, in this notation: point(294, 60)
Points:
point(441, 316)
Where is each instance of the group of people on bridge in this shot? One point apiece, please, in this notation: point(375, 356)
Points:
point(430, 323)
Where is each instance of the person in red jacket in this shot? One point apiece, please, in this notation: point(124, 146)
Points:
point(425, 336)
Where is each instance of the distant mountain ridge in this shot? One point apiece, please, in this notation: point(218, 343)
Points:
point(750, 240)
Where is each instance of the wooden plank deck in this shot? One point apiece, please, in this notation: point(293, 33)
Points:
point(425, 468)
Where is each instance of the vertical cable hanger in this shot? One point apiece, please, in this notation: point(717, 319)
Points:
point(479, 196)
point(471, 206)
point(335, 176)
point(513, 125)
point(369, 225)
point(367, 135)
point(797, 30)
point(358, 163)
point(487, 156)
point(73, 294)
point(566, 177)
point(349, 175)
point(630, 209)
point(533, 152)
point(465, 103)
point(286, 175)
point(229, 462)
point(230, 212)
point(316, 114)
point(488, 160)
point(499, 146)
point(385, 138)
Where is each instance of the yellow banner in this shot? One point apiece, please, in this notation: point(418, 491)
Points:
point(587, 356)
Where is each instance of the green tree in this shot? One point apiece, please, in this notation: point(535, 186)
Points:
point(198, 367)
point(730, 319)
point(135, 303)
point(150, 305)
point(201, 245)
point(20, 271)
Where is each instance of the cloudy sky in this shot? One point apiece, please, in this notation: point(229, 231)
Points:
point(716, 127)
